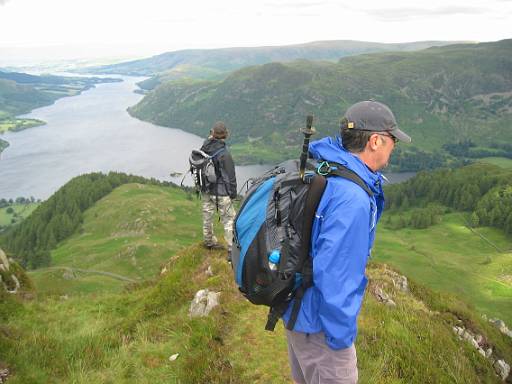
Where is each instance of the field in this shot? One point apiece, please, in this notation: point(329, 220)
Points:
point(449, 257)
point(20, 211)
point(18, 124)
point(499, 161)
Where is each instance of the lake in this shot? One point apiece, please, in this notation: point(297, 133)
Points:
point(93, 132)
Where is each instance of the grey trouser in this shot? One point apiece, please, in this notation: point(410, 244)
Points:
point(313, 362)
point(227, 215)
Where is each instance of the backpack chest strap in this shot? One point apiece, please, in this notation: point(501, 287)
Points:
point(334, 169)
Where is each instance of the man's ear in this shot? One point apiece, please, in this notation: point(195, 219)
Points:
point(373, 141)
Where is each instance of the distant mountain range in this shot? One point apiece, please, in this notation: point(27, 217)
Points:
point(216, 63)
point(440, 95)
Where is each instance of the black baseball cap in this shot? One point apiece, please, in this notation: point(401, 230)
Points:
point(373, 116)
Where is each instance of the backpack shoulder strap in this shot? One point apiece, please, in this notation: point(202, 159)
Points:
point(316, 190)
point(325, 169)
point(334, 169)
point(218, 152)
point(318, 183)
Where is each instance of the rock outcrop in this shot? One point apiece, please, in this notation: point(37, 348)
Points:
point(501, 367)
point(204, 301)
point(12, 277)
point(500, 324)
point(4, 374)
point(8, 279)
point(390, 288)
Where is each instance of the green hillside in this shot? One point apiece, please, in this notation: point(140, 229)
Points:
point(131, 243)
point(16, 213)
point(459, 251)
point(216, 63)
point(93, 328)
point(16, 98)
point(20, 93)
point(499, 161)
point(440, 95)
point(61, 215)
point(450, 257)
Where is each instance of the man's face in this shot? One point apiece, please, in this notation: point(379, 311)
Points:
point(385, 146)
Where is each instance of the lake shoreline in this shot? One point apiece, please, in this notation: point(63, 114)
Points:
point(93, 132)
point(18, 123)
point(3, 145)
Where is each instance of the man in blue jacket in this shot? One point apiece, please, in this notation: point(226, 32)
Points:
point(321, 346)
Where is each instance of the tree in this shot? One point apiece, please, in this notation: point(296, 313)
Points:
point(20, 200)
point(508, 224)
point(475, 220)
point(405, 203)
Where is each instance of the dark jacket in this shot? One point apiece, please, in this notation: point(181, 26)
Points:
point(224, 165)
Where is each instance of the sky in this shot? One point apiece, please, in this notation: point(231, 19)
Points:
point(45, 30)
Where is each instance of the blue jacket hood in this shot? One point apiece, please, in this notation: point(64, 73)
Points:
point(331, 149)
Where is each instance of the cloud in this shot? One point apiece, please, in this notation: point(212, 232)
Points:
point(2, 2)
point(297, 5)
point(403, 14)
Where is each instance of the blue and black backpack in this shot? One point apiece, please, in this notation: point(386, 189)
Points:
point(272, 232)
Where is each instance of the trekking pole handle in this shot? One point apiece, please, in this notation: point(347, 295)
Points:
point(308, 132)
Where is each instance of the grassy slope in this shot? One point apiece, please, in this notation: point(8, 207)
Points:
point(499, 161)
point(449, 257)
point(22, 210)
point(123, 338)
point(130, 232)
point(103, 334)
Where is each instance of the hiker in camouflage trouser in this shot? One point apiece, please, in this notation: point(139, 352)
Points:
point(219, 195)
point(227, 214)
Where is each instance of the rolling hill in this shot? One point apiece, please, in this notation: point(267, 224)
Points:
point(216, 63)
point(441, 95)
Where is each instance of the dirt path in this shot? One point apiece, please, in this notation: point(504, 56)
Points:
point(91, 271)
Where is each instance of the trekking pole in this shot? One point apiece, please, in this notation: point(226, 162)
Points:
point(308, 131)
